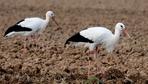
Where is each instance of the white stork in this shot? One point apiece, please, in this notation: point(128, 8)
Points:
point(94, 36)
point(29, 26)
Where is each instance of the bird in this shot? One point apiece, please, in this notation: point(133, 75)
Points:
point(29, 26)
point(93, 37)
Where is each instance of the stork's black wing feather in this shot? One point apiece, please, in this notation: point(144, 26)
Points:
point(78, 38)
point(16, 28)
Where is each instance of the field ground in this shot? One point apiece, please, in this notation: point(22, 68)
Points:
point(48, 62)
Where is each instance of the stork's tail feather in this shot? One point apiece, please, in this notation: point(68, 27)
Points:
point(4, 35)
point(67, 42)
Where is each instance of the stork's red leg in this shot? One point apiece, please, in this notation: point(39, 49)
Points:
point(90, 52)
point(35, 38)
point(97, 49)
point(24, 46)
point(95, 53)
point(88, 73)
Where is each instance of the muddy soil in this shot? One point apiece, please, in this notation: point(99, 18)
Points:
point(48, 62)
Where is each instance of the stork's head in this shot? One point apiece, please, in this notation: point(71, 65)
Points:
point(50, 14)
point(121, 28)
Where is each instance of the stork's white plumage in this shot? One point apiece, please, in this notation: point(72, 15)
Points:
point(94, 36)
point(29, 26)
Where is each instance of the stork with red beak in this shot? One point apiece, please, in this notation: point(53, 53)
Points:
point(94, 36)
point(29, 26)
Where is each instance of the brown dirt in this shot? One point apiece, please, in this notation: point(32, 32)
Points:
point(48, 62)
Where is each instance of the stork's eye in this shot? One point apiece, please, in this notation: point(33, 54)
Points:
point(121, 26)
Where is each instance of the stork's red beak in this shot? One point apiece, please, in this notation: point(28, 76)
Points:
point(53, 18)
point(126, 33)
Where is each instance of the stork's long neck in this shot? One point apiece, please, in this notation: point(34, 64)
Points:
point(117, 35)
point(47, 18)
